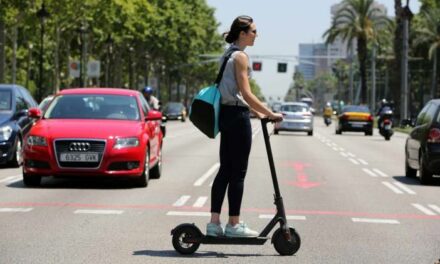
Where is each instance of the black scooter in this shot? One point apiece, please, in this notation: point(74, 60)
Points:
point(188, 237)
point(386, 123)
point(327, 120)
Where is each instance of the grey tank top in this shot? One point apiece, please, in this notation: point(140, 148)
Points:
point(228, 85)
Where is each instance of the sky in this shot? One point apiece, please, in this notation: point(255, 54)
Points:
point(282, 25)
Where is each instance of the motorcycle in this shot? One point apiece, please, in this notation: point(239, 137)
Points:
point(386, 123)
point(327, 120)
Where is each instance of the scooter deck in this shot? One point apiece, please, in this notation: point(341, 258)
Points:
point(232, 240)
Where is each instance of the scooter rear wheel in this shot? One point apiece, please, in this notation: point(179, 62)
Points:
point(282, 245)
point(185, 232)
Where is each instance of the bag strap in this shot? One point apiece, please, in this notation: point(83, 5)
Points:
point(222, 68)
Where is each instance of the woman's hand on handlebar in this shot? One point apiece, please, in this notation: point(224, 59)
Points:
point(276, 117)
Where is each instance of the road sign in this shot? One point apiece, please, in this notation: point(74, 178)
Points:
point(282, 67)
point(74, 67)
point(94, 68)
point(257, 66)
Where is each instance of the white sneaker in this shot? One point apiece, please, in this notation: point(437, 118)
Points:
point(240, 230)
point(214, 230)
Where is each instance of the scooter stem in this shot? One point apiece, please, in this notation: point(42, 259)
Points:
point(273, 173)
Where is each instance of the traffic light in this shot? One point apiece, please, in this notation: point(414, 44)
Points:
point(257, 66)
point(282, 67)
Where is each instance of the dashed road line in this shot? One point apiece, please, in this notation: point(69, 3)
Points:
point(343, 154)
point(423, 209)
point(181, 201)
point(363, 162)
point(15, 210)
point(7, 179)
point(102, 212)
point(403, 187)
point(208, 174)
point(200, 202)
point(369, 172)
point(355, 162)
point(375, 221)
point(392, 187)
point(179, 213)
point(380, 173)
point(351, 154)
point(434, 207)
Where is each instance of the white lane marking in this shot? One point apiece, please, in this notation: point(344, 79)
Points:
point(15, 210)
point(375, 221)
point(328, 144)
point(343, 154)
point(434, 207)
point(16, 179)
point(367, 171)
point(354, 161)
point(403, 187)
point(103, 212)
point(7, 179)
point(351, 154)
point(380, 173)
point(392, 187)
point(335, 149)
point(334, 144)
point(208, 174)
point(289, 217)
point(181, 201)
point(256, 132)
point(363, 161)
point(200, 201)
point(341, 149)
point(177, 213)
point(423, 209)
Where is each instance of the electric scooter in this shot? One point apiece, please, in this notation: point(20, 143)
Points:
point(188, 237)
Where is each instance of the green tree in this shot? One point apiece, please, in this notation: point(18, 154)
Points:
point(427, 32)
point(358, 20)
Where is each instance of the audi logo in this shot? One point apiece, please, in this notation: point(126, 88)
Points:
point(79, 146)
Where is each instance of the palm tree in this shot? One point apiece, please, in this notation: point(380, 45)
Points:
point(358, 20)
point(428, 33)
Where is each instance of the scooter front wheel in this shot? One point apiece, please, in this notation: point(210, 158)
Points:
point(183, 233)
point(284, 246)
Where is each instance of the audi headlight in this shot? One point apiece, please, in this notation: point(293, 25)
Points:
point(36, 141)
point(126, 142)
point(5, 132)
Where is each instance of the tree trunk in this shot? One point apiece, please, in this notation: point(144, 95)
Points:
point(14, 53)
point(396, 66)
point(2, 51)
point(434, 75)
point(57, 61)
point(362, 56)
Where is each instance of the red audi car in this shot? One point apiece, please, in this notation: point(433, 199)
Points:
point(94, 132)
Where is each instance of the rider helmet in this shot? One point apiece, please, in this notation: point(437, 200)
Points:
point(148, 90)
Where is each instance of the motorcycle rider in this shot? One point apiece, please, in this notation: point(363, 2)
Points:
point(328, 111)
point(384, 110)
point(151, 99)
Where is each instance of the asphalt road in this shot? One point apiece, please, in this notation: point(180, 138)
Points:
point(346, 195)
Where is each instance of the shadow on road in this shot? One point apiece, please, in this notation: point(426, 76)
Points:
point(202, 254)
point(415, 181)
point(79, 183)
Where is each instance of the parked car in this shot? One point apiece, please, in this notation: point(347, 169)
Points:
point(95, 132)
point(45, 103)
point(296, 117)
point(355, 118)
point(422, 148)
point(174, 111)
point(15, 101)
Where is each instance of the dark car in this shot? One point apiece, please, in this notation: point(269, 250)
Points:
point(174, 111)
point(422, 148)
point(15, 123)
point(355, 118)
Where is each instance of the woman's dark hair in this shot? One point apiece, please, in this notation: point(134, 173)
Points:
point(241, 23)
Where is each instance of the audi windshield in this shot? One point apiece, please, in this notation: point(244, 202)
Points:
point(119, 107)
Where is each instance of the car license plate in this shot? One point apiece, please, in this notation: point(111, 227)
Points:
point(79, 157)
point(388, 126)
point(357, 124)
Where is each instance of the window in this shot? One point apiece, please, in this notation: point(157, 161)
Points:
point(422, 115)
point(20, 103)
point(5, 100)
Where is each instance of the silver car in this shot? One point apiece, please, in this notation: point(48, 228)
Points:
point(296, 117)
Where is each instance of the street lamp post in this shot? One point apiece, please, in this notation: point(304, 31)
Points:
point(109, 43)
point(28, 75)
point(130, 68)
point(82, 31)
point(42, 14)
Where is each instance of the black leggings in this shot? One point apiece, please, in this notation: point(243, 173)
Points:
point(235, 147)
